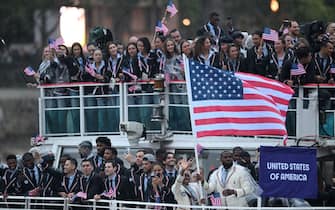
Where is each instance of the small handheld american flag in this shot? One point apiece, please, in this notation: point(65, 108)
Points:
point(270, 34)
point(161, 27)
point(171, 8)
point(215, 199)
point(332, 69)
point(29, 71)
point(297, 69)
point(90, 70)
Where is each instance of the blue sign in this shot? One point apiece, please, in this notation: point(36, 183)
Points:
point(289, 172)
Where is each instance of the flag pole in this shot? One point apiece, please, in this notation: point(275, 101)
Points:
point(198, 171)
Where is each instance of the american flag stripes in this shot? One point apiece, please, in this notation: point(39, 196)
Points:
point(215, 199)
point(332, 68)
point(29, 71)
point(161, 27)
point(223, 104)
point(279, 92)
point(270, 34)
point(89, 69)
point(55, 43)
point(297, 69)
point(171, 8)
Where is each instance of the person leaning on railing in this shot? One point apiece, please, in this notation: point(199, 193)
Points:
point(131, 72)
point(325, 69)
point(96, 72)
point(116, 186)
point(113, 61)
point(70, 185)
point(302, 57)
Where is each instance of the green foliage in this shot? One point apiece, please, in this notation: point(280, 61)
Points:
point(308, 10)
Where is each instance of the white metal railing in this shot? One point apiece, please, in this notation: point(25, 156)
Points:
point(21, 202)
point(127, 103)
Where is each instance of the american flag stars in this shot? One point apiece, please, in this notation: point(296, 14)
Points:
point(214, 84)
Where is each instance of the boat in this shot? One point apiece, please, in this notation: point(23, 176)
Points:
point(164, 122)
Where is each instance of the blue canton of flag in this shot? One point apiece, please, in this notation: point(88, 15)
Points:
point(214, 84)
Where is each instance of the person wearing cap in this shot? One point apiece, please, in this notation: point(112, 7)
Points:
point(238, 37)
point(85, 150)
point(51, 177)
point(144, 181)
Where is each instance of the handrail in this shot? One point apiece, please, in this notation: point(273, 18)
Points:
point(95, 204)
point(123, 106)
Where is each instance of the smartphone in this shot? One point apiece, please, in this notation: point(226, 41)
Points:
point(286, 23)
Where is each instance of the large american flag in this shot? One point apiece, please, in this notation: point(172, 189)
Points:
point(223, 104)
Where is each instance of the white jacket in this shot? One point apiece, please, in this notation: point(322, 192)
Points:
point(237, 179)
point(180, 192)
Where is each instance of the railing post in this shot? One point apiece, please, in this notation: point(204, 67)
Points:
point(259, 203)
point(81, 110)
point(41, 112)
point(125, 102)
point(166, 97)
point(299, 107)
point(113, 205)
point(94, 204)
point(27, 203)
point(317, 128)
point(66, 207)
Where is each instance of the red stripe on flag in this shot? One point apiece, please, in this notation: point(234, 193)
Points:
point(237, 120)
point(270, 86)
point(233, 109)
point(233, 132)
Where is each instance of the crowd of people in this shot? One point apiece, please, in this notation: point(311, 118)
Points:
point(152, 177)
point(227, 49)
point(292, 59)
